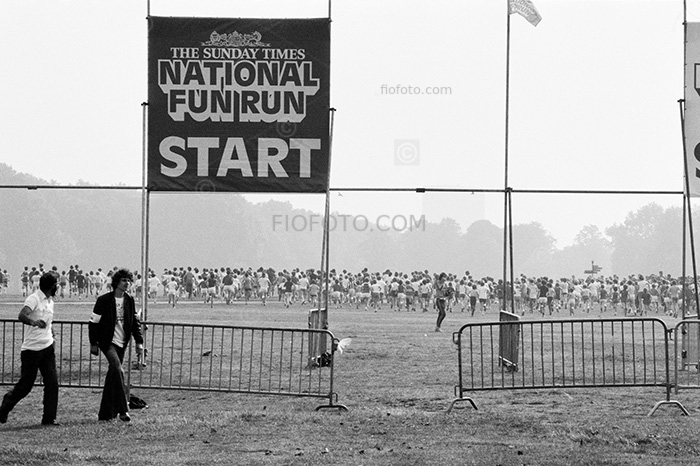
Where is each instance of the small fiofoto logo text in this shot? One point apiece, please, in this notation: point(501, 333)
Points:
point(406, 152)
point(408, 89)
point(339, 222)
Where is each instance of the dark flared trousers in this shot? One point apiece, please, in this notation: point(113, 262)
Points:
point(440, 303)
point(114, 401)
point(43, 361)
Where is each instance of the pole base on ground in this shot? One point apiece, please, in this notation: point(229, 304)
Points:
point(456, 400)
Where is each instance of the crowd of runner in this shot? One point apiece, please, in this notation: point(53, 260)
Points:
point(375, 291)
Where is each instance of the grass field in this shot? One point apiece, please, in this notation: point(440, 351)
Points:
point(396, 378)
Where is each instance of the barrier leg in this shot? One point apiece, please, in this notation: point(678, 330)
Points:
point(457, 400)
point(330, 404)
point(669, 402)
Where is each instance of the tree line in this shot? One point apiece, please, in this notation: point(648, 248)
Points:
point(102, 228)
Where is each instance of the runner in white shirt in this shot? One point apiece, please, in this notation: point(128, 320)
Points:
point(153, 284)
point(173, 287)
point(483, 292)
point(264, 287)
point(303, 287)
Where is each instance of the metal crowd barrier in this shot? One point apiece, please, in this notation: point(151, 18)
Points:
point(569, 353)
point(267, 361)
point(75, 366)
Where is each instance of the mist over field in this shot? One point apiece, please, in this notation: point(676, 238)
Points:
point(102, 228)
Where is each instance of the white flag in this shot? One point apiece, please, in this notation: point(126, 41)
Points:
point(526, 9)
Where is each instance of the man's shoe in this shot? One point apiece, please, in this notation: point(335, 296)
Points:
point(3, 417)
point(51, 423)
point(125, 417)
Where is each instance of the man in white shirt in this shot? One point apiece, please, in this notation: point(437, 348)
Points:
point(483, 292)
point(264, 284)
point(153, 284)
point(303, 286)
point(37, 351)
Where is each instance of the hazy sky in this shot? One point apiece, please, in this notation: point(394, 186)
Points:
point(593, 101)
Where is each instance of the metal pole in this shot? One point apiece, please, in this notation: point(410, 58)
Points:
point(510, 232)
point(423, 190)
point(325, 275)
point(148, 231)
point(683, 260)
point(144, 181)
point(323, 254)
point(325, 266)
point(326, 224)
point(507, 114)
point(686, 188)
point(34, 187)
point(325, 260)
point(692, 257)
point(687, 224)
point(144, 216)
point(506, 211)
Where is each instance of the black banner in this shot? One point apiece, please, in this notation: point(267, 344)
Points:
point(238, 105)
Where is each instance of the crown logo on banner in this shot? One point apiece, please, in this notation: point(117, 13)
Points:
point(235, 39)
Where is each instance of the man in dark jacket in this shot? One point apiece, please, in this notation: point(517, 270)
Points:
point(112, 324)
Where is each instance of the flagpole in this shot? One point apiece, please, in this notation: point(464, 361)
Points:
point(507, 88)
point(526, 9)
point(686, 191)
point(505, 187)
